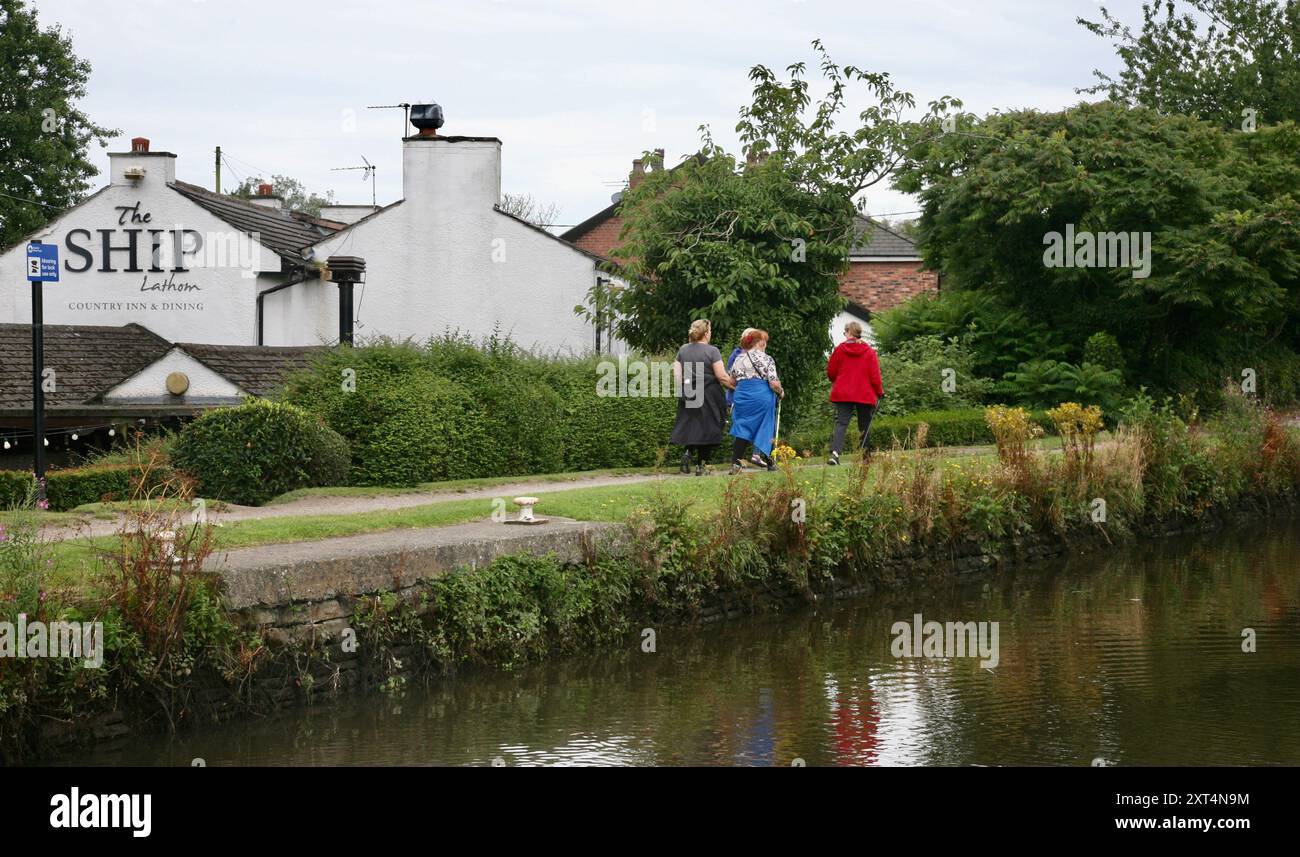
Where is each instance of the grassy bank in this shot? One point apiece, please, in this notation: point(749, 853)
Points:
point(693, 542)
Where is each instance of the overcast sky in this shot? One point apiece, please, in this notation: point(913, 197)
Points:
point(574, 89)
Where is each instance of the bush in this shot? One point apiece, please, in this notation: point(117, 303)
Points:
point(946, 428)
point(523, 417)
point(258, 450)
point(506, 412)
point(998, 337)
point(1102, 350)
point(914, 374)
point(608, 431)
point(76, 486)
point(404, 433)
point(1043, 383)
point(15, 486)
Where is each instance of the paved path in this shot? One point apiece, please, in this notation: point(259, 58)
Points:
point(350, 505)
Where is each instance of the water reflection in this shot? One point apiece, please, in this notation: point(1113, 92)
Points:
point(1134, 657)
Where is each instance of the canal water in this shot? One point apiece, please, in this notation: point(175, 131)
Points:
point(1131, 657)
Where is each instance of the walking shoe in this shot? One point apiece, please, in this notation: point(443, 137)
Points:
point(757, 460)
point(686, 462)
point(736, 467)
point(834, 459)
point(699, 469)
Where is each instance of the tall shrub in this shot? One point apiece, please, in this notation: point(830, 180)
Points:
point(253, 452)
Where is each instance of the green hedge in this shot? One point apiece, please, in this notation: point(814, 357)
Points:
point(453, 409)
point(964, 427)
point(403, 433)
point(75, 486)
point(961, 427)
point(258, 450)
point(15, 485)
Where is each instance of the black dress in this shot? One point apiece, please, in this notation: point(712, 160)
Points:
point(702, 407)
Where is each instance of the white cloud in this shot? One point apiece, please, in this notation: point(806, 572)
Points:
point(565, 85)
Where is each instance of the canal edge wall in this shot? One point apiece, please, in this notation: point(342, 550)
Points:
point(303, 605)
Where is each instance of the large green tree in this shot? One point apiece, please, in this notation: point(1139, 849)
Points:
point(1228, 61)
point(292, 192)
point(762, 240)
point(44, 139)
point(1220, 208)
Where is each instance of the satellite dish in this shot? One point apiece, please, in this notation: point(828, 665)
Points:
point(618, 195)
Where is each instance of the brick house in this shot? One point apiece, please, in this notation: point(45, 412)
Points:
point(884, 266)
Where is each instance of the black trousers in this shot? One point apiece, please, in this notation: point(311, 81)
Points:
point(843, 414)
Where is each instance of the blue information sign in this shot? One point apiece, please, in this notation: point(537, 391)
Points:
point(43, 263)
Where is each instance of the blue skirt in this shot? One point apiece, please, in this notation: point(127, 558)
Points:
point(754, 416)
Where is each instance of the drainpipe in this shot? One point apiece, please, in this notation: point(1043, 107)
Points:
point(300, 277)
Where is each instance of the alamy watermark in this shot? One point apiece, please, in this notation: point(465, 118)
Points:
point(921, 639)
point(1084, 249)
point(654, 379)
point(84, 640)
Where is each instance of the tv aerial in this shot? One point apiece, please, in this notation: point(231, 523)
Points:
point(368, 172)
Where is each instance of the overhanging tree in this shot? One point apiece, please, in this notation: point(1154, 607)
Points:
point(1228, 61)
point(762, 243)
point(1220, 207)
point(44, 139)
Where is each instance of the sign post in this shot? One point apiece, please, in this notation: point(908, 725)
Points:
point(42, 267)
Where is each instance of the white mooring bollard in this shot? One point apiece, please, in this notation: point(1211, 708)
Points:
point(526, 515)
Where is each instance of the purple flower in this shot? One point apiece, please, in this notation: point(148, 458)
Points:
point(43, 503)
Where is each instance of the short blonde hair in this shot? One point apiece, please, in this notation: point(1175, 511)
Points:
point(699, 329)
point(853, 329)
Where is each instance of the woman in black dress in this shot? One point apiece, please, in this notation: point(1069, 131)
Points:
point(701, 402)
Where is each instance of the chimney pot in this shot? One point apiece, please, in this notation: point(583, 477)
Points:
point(638, 173)
point(139, 144)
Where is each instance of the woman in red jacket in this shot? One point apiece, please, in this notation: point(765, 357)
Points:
point(854, 371)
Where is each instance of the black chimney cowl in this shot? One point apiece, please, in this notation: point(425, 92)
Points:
point(426, 116)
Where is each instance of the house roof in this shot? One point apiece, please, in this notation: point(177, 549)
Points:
point(256, 369)
point(346, 227)
point(87, 360)
point(533, 226)
point(857, 310)
point(576, 232)
point(871, 238)
point(90, 360)
point(875, 240)
point(282, 231)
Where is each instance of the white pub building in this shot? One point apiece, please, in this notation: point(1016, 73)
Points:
point(163, 272)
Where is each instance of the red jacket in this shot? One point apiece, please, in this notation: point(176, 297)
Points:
point(854, 371)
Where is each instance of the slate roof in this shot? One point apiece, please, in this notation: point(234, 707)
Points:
point(574, 233)
point(256, 369)
point(90, 360)
point(876, 240)
point(86, 359)
point(872, 238)
point(282, 231)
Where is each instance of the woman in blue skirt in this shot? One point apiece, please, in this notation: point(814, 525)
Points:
point(753, 416)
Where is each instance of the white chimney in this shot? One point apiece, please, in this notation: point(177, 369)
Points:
point(140, 166)
point(266, 198)
point(461, 174)
point(346, 213)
